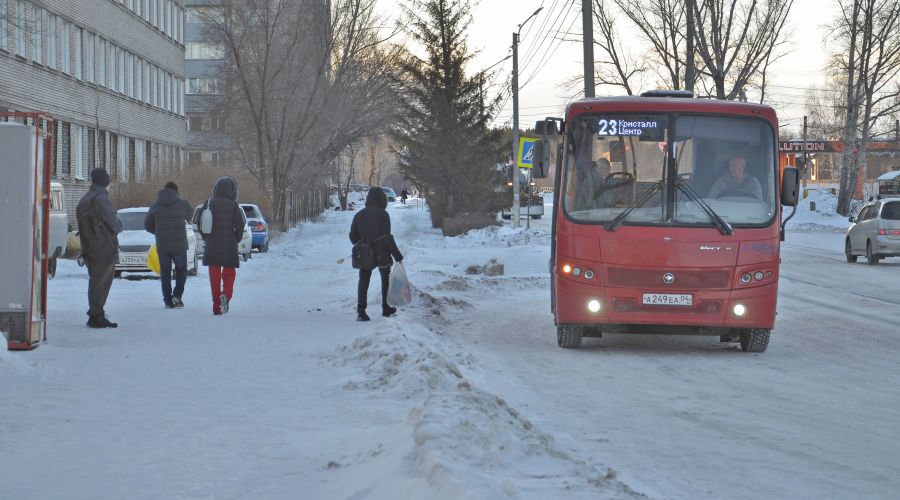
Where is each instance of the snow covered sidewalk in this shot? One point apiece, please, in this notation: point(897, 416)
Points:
point(286, 396)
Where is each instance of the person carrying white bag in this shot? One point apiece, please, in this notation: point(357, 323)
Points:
point(373, 246)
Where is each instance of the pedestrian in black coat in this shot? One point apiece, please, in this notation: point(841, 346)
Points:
point(373, 224)
point(221, 253)
point(98, 225)
point(166, 219)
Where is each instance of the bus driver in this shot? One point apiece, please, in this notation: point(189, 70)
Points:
point(736, 180)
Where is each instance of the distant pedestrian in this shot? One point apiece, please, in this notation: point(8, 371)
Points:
point(372, 224)
point(166, 219)
point(98, 225)
point(221, 244)
point(404, 195)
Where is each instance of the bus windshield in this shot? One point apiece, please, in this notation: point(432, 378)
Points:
point(666, 169)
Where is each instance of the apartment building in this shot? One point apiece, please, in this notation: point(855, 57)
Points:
point(206, 144)
point(112, 75)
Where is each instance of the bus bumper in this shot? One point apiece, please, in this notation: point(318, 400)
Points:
point(577, 303)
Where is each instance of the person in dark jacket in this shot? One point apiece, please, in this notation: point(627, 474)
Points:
point(373, 224)
point(166, 219)
point(98, 225)
point(221, 255)
point(404, 194)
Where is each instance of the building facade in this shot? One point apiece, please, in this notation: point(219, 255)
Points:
point(207, 145)
point(112, 75)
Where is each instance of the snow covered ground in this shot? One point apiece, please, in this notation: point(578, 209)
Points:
point(464, 394)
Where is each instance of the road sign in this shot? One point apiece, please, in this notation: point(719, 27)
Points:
point(526, 152)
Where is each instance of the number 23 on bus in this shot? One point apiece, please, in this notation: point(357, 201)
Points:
point(668, 217)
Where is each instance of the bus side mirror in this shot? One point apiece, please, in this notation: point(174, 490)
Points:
point(790, 182)
point(540, 159)
point(546, 127)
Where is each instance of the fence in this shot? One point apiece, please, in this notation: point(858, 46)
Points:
point(304, 206)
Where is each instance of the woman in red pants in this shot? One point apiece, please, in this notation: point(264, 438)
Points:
point(221, 253)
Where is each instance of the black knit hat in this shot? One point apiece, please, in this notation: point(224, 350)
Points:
point(171, 185)
point(100, 177)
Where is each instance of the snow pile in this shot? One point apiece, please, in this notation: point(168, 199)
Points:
point(501, 236)
point(466, 441)
point(822, 218)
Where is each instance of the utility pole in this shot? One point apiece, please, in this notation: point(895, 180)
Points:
point(515, 126)
point(689, 70)
point(587, 29)
point(805, 158)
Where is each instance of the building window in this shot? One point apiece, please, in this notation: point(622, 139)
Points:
point(51, 40)
point(100, 55)
point(4, 26)
point(203, 50)
point(79, 152)
point(37, 34)
point(21, 32)
point(101, 146)
point(90, 44)
point(203, 86)
point(132, 164)
point(79, 51)
point(195, 123)
point(113, 155)
point(121, 62)
point(91, 149)
point(67, 47)
point(194, 159)
point(132, 84)
point(66, 139)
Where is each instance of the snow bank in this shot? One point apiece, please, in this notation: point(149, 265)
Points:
point(822, 218)
point(466, 441)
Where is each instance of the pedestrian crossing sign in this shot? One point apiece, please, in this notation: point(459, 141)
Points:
point(526, 152)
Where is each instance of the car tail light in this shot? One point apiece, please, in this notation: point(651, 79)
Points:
point(892, 232)
point(259, 227)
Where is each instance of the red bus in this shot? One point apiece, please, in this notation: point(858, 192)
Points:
point(667, 217)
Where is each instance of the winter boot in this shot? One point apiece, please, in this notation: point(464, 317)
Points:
point(361, 314)
point(177, 303)
point(100, 321)
point(388, 311)
point(223, 303)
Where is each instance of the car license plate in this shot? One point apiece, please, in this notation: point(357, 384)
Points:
point(668, 299)
point(132, 260)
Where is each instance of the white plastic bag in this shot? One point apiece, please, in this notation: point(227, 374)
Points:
point(399, 293)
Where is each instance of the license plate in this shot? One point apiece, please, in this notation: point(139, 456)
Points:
point(132, 260)
point(668, 299)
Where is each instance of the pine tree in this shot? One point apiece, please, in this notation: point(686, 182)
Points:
point(443, 140)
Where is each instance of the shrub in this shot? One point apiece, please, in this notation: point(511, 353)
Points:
point(459, 224)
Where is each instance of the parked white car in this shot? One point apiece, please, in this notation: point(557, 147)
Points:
point(135, 243)
point(59, 225)
point(875, 231)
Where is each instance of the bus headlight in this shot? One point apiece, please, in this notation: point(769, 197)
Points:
point(745, 278)
point(589, 274)
point(576, 271)
point(566, 268)
point(739, 310)
point(593, 305)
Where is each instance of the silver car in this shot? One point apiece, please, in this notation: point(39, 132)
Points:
point(875, 231)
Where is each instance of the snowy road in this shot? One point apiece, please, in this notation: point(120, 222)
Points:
point(462, 395)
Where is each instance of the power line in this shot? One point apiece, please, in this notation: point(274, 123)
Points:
point(556, 24)
point(547, 53)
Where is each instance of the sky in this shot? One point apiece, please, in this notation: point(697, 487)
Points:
point(545, 67)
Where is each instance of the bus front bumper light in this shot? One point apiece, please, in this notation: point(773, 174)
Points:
point(593, 306)
point(739, 310)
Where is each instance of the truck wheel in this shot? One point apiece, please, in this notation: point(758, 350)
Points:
point(755, 340)
point(569, 336)
point(51, 267)
point(505, 217)
point(871, 258)
point(850, 257)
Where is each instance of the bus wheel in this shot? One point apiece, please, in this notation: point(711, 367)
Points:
point(755, 340)
point(569, 336)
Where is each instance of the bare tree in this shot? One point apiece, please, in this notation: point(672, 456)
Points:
point(735, 41)
point(304, 82)
point(869, 54)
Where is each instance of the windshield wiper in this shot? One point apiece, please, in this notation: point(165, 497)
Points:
point(723, 226)
point(644, 198)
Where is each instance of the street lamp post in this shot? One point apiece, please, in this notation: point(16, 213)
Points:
point(515, 103)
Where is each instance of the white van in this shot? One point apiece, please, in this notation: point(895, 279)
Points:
point(59, 225)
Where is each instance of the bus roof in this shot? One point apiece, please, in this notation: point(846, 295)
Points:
point(632, 104)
